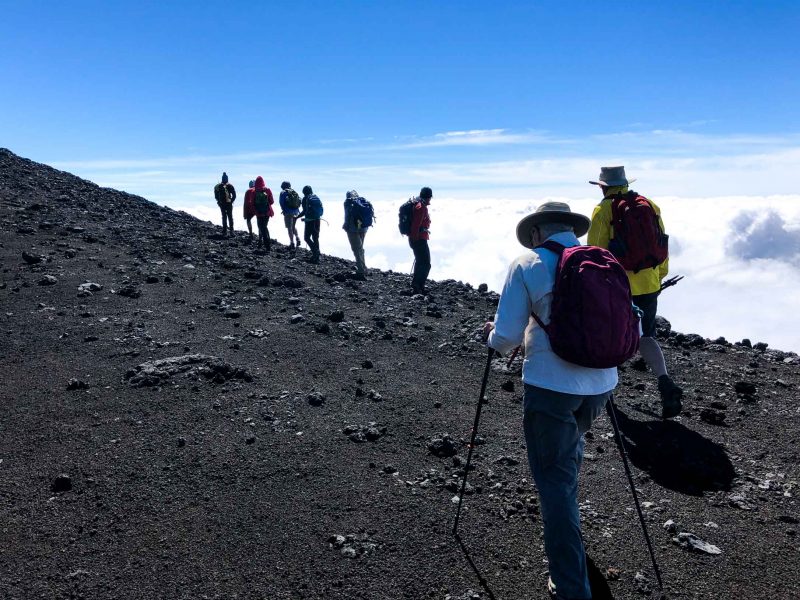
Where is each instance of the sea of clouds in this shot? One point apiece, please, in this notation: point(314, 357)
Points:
point(729, 205)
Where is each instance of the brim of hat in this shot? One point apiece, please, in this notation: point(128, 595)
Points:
point(579, 223)
point(613, 183)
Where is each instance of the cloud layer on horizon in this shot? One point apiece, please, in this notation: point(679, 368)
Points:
point(730, 206)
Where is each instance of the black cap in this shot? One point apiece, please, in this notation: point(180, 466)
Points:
point(426, 193)
point(286, 185)
point(307, 190)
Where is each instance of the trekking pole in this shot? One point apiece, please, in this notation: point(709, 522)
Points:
point(481, 579)
point(472, 438)
point(670, 282)
point(612, 414)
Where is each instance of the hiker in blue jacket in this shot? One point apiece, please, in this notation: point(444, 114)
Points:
point(561, 399)
point(311, 214)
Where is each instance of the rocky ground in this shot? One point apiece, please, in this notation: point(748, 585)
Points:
point(182, 417)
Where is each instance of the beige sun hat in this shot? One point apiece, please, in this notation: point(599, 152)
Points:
point(551, 212)
point(612, 176)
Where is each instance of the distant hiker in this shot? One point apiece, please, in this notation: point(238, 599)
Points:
point(630, 226)
point(418, 236)
point(262, 202)
point(561, 399)
point(290, 207)
point(311, 214)
point(225, 195)
point(358, 217)
point(250, 207)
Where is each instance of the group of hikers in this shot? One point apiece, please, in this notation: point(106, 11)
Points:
point(577, 311)
point(359, 216)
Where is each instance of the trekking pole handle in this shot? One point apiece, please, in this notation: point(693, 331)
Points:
point(670, 282)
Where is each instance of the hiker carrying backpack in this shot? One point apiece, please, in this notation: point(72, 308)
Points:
point(559, 280)
point(225, 194)
point(639, 240)
point(361, 213)
point(405, 215)
point(593, 322)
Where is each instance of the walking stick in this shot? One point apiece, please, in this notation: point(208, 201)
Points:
point(670, 282)
point(612, 414)
point(481, 579)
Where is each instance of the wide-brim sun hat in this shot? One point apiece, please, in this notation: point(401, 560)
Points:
point(551, 212)
point(612, 177)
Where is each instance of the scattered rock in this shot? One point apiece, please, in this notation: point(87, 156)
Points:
point(62, 483)
point(212, 368)
point(129, 291)
point(32, 259)
point(76, 384)
point(691, 542)
point(711, 416)
point(745, 387)
point(442, 446)
point(315, 399)
point(336, 316)
point(48, 280)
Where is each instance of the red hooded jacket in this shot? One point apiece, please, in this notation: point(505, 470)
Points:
point(262, 210)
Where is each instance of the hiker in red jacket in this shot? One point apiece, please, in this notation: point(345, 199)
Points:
point(250, 207)
point(418, 237)
point(263, 201)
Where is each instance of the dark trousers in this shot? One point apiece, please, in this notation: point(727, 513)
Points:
point(649, 305)
point(263, 232)
point(311, 236)
point(422, 263)
point(227, 216)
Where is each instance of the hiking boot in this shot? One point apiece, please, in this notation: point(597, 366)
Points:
point(671, 395)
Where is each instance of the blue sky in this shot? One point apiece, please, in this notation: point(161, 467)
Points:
point(497, 107)
point(111, 79)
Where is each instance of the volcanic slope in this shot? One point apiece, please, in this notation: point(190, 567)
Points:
point(184, 418)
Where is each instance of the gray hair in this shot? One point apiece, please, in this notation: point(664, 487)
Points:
point(548, 229)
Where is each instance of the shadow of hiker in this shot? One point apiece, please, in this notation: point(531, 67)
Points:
point(676, 457)
point(597, 581)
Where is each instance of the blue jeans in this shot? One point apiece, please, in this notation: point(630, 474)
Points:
point(554, 426)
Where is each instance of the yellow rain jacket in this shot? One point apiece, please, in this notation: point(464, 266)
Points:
point(645, 281)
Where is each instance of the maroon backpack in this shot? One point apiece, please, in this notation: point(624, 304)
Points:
point(593, 322)
point(638, 242)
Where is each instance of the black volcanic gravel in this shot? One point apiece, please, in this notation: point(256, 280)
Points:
point(170, 429)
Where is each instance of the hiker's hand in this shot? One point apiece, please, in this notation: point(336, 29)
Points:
point(487, 329)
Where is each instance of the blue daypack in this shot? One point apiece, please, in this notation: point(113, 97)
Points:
point(361, 213)
point(313, 208)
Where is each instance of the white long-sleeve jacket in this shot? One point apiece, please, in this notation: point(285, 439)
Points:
point(529, 288)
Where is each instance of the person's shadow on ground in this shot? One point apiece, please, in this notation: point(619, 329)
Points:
point(597, 581)
point(676, 457)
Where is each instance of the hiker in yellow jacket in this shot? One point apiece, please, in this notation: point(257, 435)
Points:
point(645, 281)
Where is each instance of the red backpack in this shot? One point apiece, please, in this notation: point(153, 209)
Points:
point(638, 242)
point(593, 322)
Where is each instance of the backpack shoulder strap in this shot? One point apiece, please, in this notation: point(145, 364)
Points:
point(553, 246)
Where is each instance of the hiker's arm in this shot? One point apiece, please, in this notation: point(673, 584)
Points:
point(600, 229)
point(233, 192)
point(512, 315)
